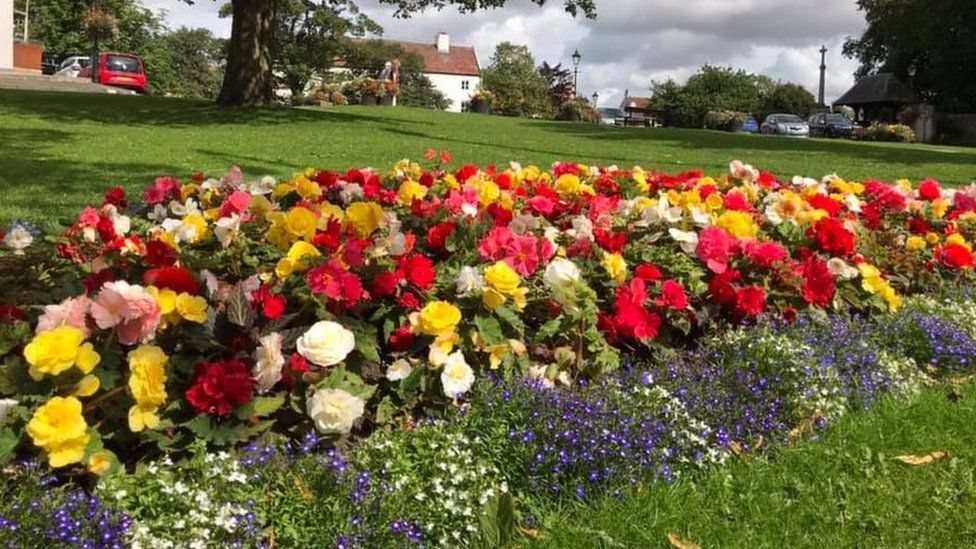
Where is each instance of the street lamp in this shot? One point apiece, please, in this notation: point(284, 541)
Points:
point(596, 97)
point(912, 69)
point(576, 62)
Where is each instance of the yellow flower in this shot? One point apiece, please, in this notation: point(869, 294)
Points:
point(640, 178)
point(188, 190)
point(200, 224)
point(568, 184)
point(87, 386)
point(438, 318)
point(192, 307)
point(59, 428)
point(959, 240)
point(100, 462)
point(292, 262)
point(260, 206)
point(939, 207)
point(307, 189)
point(166, 299)
point(488, 192)
point(893, 300)
point(615, 266)
point(915, 243)
point(281, 190)
point(739, 224)
point(502, 278)
point(147, 383)
point(409, 191)
point(932, 238)
point(714, 202)
point(364, 217)
point(54, 351)
point(492, 298)
point(301, 222)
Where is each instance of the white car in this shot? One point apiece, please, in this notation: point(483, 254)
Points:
point(789, 125)
point(73, 65)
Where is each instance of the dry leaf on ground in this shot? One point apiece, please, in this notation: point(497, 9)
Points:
point(915, 461)
point(679, 543)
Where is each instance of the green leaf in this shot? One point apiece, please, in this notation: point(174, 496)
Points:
point(385, 410)
point(548, 329)
point(260, 407)
point(239, 309)
point(8, 441)
point(511, 318)
point(366, 342)
point(498, 521)
point(490, 330)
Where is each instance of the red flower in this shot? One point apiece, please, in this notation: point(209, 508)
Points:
point(272, 306)
point(93, 283)
point(116, 197)
point(750, 301)
point(160, 254)
point(385, 284)
point(716, 247)
point(438, 234)
point(832, 237)
point(818, 284)
point(636, 322)
point(918, 225)
point(825, 203)
point(929, 190)
point(106, 230)
point(673, 295)
point(721, 286)
point(736, 201)
point(402, 339)
point(336, 283)
point(409, 301)
point(331, 237)
point(609, 241)
point(327, 180)
point(958, 257)
point(766, 254)
point(648, 273)
point(178, 279)
point(418, 270)
point(220, 386)
point(10, 313)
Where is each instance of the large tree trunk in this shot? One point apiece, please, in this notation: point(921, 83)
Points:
point(248, 78)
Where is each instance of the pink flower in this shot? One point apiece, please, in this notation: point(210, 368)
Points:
point(494, 246)
point(463, 202)
point(715, 248)
point(88, 218)
point(523, 255)
point(132, 310)
point(163, 188)
point(236, 203)
point(70, 312)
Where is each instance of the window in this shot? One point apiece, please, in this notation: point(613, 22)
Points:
point(464, 105)
point(465, 85)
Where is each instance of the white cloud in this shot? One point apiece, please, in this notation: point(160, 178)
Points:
point(632, 41)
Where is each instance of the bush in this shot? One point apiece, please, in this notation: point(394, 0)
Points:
point(723, 120)
point(887, 132)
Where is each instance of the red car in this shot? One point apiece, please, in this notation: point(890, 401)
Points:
point(122, 70)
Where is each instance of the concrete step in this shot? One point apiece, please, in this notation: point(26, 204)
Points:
point(15, 80)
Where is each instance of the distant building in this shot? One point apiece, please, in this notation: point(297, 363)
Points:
point(6, 34)
point(878, 97)
point(638, 111)
point(453, 70)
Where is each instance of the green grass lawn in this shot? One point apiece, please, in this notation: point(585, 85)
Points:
point(843, 489)
point(58, 151)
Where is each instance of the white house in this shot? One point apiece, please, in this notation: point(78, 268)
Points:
point(6, 34)
point(453, 70)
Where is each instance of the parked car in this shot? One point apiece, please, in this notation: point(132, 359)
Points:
point(73, 65)
point(785, 124)
point(122, 70)
point(751, 125)
point(49, 63)
point(612, 116)
point(831, 125)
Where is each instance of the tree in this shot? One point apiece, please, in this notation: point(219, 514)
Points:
point(788, 98)
point(518, 88)
point(937, 36)
point(186, 63)
point(59, 24)
point(248, 78)
point(560, 82)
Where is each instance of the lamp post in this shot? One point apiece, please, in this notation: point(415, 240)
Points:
point(94, 58)
point(912, 70)
point(576, 62)
point(596, 98)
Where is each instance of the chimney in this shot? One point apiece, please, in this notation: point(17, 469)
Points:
point(443, 42)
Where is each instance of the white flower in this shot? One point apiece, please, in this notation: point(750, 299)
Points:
point(805, 182)
point(742, 171)
point(700, 217)
point(326, 343)
point(561, 273)
point(18, 238)
point(121, 223)
point(523, 224)
point(158, 213)
point(5, 404)
point(334, 410)
point(350, 192)
point(268, 362)
point(226, 228)
point(853, 203)
point(470, 282)
point(457, 376)
point(840, 269)
point(400, 369)
point(688, 240)
point(182, 232)
point(266, 185)
point(662, 212)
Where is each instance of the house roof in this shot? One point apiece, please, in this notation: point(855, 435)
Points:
point(878, 88)
point(632, 102)
point(458, 60)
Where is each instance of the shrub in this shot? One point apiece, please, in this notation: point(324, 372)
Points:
point(887, 132)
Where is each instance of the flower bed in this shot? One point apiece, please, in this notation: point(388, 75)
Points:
point(224, 310)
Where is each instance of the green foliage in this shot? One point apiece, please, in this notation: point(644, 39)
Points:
point(60, 26)
point(938, 36)
point(788, 98)
point(407, 7)
point(185, 63)
point(517, 87)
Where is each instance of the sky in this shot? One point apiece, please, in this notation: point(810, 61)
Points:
point(631, 42)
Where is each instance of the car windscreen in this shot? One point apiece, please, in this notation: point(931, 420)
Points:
point(838, 119)
point(788, 119)
point(123, 63)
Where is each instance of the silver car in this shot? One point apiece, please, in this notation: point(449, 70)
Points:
point(789, 125)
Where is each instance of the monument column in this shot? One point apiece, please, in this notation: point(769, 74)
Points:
point(823, 72)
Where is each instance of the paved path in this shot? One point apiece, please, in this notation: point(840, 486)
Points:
point(14, 80)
